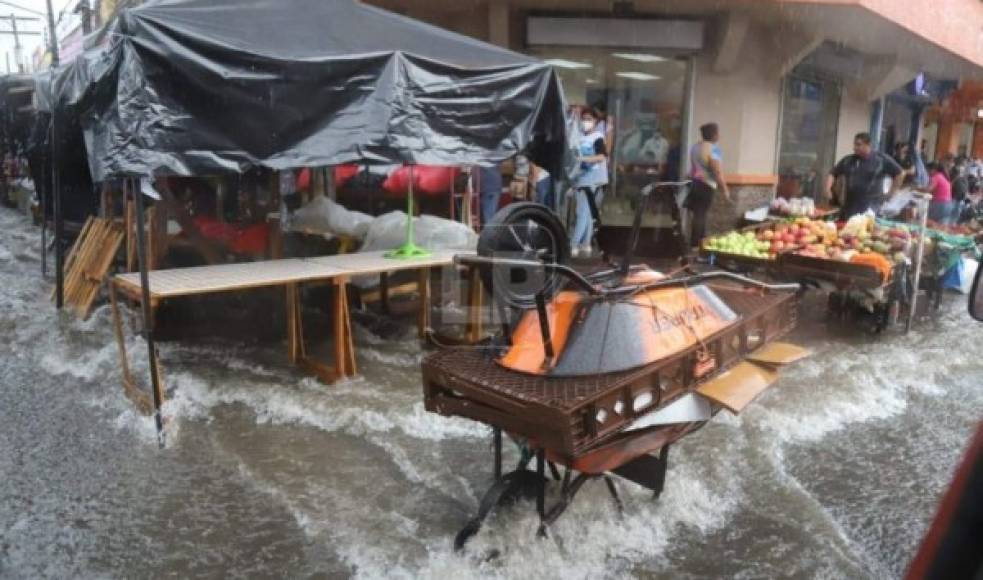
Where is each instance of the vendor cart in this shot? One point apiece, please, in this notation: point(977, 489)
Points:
point(601, 373)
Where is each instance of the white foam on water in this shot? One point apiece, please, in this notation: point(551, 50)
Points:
point(279, 404)
point(5, 255)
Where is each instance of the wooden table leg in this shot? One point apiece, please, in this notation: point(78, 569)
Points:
point(384, 292)
point(343, 343)
point(140, 398)
point(294, 337)
point(473, 330)
point(423, 318)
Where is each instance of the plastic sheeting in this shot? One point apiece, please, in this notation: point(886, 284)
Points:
point(329, 217)
point(204, 86)
point(388, 232)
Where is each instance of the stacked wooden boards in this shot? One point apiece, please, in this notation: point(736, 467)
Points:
point(88, 262)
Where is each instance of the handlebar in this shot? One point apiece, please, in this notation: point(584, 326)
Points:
point(594, 290)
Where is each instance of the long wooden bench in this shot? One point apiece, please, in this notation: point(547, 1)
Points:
point(289, 273)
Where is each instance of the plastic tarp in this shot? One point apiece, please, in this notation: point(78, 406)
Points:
point(204, 86)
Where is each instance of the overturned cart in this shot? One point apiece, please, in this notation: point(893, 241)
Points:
point(601, 374)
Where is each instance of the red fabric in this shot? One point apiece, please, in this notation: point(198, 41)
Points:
point(214, 229)
point(304, 180)
point(344, 173)
point(427, 179)
point(251, 240)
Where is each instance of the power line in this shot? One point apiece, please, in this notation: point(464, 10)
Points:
point(19, 7)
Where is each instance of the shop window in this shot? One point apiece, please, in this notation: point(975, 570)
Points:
point(810, 114)
point(643, 95)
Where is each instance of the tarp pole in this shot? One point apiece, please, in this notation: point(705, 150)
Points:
point(919, 254)
point(43, 188)
point(58, 217)
point(148, 322)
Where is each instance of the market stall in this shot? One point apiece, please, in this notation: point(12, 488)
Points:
point(866, 265)
point(200, 87)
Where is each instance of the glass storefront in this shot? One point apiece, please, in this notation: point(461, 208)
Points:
point(810, 112)
point(644, 96)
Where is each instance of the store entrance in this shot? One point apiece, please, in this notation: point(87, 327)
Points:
point(808, 143)
point(642, 98)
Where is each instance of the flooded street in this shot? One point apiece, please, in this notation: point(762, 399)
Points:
point(833, 473)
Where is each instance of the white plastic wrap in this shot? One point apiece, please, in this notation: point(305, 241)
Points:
point(388, 232)
point(323, 215)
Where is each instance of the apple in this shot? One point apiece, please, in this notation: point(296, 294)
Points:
point(768, 234)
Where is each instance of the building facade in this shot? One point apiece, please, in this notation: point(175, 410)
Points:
point(788, 81)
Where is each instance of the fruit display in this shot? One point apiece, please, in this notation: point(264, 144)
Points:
point(740, 244)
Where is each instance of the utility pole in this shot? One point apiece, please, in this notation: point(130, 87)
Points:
point(55, 181)
point(17, 47)
point(17, 33)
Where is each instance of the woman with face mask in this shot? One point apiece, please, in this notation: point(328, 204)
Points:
point(592, 177)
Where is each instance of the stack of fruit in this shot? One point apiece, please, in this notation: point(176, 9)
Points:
point(740, 244)
point(797, 234)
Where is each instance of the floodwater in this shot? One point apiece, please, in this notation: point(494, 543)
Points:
point(833, 473)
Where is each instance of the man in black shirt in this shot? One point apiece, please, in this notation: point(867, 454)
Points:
point(864, 172)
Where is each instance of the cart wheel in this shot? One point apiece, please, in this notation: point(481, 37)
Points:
point(526, 231)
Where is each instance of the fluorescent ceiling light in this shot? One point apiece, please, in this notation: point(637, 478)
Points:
point(562, 63)
point(638, 76)
point(591, 81)
point(979, 113)
point(638, 56)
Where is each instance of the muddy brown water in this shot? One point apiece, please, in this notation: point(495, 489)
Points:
point(833, 473)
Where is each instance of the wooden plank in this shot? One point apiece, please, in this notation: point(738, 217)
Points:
point(778, 354)
point(473, 330)
point(401, 290)
point(376, 262)
point(737, 387)
point(107, 253)
point(423, 318)
point(120, 340)
point(230, 277)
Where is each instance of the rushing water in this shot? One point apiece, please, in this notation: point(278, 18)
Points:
point(833, 473)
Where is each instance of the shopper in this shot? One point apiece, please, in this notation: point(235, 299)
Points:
point(707, 174)
point(863, 172)
point(489, 191)
point(593, 176)
point(903, 157)
point(940, 209)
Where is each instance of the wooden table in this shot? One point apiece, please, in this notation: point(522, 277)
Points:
point(289, 273)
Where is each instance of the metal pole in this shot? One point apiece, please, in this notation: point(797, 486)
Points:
point(52, 36)
point(55, 181)
point(148, 322)
point(44, 186)
point(923, 211)
point(17, 46)
point(57, 215)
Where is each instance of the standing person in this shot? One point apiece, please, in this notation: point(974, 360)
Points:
point(543, 185)
point(903, 157)
point(941, 207)
point(707, 173)
point(864, 171)
point(593, 176)
point(489, 191)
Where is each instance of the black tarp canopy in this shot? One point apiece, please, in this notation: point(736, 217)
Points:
point(204, 86)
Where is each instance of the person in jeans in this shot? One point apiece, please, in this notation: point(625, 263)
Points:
point(592, 177)
point(941, 207)
point(707, 174)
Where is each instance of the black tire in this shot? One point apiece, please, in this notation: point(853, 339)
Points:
point(528, 231)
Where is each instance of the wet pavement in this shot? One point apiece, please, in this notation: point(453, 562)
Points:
point(833, 473)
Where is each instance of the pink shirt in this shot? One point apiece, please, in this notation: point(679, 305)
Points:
point(941, 188)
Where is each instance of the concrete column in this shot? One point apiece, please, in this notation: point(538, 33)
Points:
point(498, 22)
